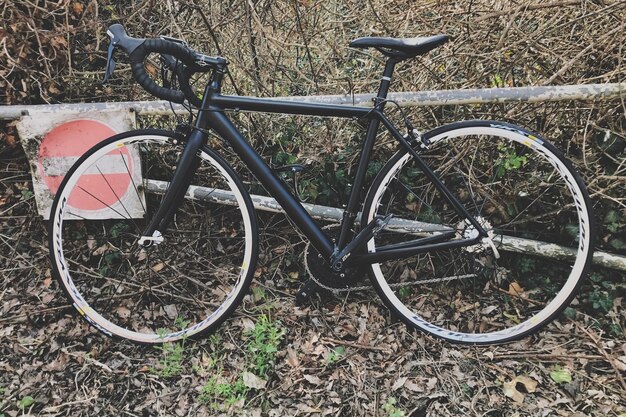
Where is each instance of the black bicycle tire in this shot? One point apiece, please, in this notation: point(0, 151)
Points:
point(376, 184)
point(224, 164)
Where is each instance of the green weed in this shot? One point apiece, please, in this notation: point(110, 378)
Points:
point(509, 161)
point(217, 395)
point(390, 408)
point(263, 345)
point(404, 292)
point(170, 363)
point(497, 81)
point(26, 194)
point(221, 392)
point(25, 402)
point(601, 295)
point(336, 354)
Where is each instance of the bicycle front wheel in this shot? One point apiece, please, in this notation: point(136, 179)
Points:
point(189, 278)
point(528, 198)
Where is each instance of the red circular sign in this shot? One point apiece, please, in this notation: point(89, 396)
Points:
point(100, 186)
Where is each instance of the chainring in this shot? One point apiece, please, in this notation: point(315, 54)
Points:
point(321, 272)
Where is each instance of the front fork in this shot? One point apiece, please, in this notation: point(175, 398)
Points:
point(185, 169)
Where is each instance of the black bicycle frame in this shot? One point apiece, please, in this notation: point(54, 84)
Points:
point(212, 116)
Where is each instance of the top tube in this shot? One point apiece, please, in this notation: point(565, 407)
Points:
point(265, 105)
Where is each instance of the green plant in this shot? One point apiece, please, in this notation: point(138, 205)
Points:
point(601, 299)
point(602, 293)
point(170, 363)
point(509, 160)
point(219, 394)
point(615, 224)
point(26, 194)
point(263, 345)
point(404, 291)
point(25, 402)
point(497, 81)
point(390, 408)
point(118, 228)
point(336, 354)
point(467, 390)
point(561, 375)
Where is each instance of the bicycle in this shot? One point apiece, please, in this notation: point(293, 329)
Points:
point(454, 230)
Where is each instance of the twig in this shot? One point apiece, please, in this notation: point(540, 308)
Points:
point(354, 345)
point(32, 313)
point(527, 7)
point(596, 340)
point(576, 58)
point(306, 44)
point(89, 360)
point(54, 407)
point(546, 356)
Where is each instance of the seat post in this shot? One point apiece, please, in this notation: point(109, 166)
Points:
point(350, 212)
point(385, 82)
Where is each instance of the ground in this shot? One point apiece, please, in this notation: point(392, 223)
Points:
point(337, 355)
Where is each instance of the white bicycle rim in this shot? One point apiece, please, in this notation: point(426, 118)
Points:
point(563, 295)
point(95, 318)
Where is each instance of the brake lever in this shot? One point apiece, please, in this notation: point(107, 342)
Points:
point(110, 63)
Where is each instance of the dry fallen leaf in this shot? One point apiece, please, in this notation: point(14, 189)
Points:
point(123, 312)
point(78, 8)
point(292, 358)
point(511, 391)
point(158, 267)
point(412, 386)
point(399, 383)
point(171, 311)
point(515, 288)
point(250, 380)
point(313, 379)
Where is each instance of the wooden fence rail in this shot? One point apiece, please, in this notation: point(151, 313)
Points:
point(423, 98)
point(333, 214)
point(420, 98)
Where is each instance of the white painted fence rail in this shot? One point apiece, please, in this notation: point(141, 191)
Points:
point(506, 243)
point(422, 98)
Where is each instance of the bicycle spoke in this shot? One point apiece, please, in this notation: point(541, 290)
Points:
point(133, 182)
point(184, 277)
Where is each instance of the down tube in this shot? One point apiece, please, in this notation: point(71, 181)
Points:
point(225, 129)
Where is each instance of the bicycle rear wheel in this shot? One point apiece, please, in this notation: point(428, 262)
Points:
point(528, 198)
point(192, 276)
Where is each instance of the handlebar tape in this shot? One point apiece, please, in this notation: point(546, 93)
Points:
point(138, 49)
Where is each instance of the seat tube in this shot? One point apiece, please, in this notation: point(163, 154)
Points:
point(349, 214)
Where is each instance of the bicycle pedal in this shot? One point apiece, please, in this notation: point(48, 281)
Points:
point(294, 168)
point(306, 291)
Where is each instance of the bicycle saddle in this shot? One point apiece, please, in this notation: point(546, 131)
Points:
point(401, 48)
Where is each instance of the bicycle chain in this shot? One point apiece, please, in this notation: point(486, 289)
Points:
point(367, 287)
